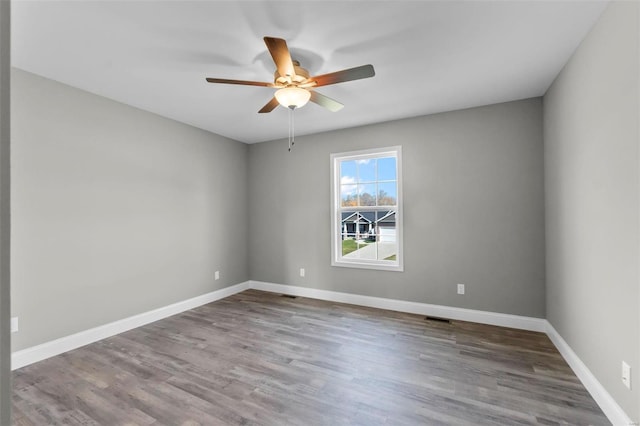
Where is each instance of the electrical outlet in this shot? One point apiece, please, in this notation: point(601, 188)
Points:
point(216, 275)
point(14, 324)
point(302, 272)
point(460, 288)
point(626, 375)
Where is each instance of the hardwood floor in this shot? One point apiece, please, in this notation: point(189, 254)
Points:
point(258, 358)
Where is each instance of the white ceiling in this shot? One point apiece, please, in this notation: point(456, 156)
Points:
point(429, 56)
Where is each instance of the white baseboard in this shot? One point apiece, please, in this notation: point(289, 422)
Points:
point(55, 347)
point(608, 405)
point(611, 409)
point(482, 317)
point(46, 350)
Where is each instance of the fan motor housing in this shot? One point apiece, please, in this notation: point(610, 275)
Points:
point(301, 76)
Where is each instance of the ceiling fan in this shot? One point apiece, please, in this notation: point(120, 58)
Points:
point(295, 86)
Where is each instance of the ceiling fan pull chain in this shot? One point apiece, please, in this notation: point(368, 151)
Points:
point(289, 129)
point(292, 136)
point(293, 121)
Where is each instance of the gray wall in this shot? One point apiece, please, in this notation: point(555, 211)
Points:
point(591, 170)
point(116, 211)
point(473, 210)
point(5, 230)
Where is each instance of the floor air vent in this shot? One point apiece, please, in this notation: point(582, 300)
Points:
point(448, 321)
point(288, 296)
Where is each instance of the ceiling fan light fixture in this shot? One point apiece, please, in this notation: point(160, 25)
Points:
point(293, 97)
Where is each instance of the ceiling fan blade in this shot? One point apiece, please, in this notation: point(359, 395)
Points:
point(270, 106)
point(325, 101)
point(364, 71)
point(243, 82)
point(281, 56)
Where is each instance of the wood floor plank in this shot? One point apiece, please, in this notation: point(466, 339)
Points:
point(256, 358)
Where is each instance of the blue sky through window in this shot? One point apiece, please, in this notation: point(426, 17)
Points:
point(368, 176)
point(366, 170)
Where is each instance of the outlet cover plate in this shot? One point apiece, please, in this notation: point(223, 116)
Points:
point(14, 324)
point(626, 375)
point(460, 288)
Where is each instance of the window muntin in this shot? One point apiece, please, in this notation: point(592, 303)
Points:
point(366, 201)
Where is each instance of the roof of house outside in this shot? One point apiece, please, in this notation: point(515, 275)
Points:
point(369, 217)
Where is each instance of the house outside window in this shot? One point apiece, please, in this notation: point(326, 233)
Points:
point(366, 197)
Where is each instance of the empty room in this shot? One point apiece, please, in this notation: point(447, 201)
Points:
point(319, 212)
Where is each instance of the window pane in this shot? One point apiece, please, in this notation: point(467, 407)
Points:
point(386, 237)
point(347, 230)
point(387, 168)
point(387, 194)
point(367, 194)
point(348, 172)
point(349, 195)
point(367, 170)
point(366, 250)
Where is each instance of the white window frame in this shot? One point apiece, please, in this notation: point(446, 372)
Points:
point(336, 210)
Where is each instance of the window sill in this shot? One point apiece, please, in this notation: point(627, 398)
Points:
point(393, 267)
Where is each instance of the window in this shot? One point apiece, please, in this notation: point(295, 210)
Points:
point(366, 198)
